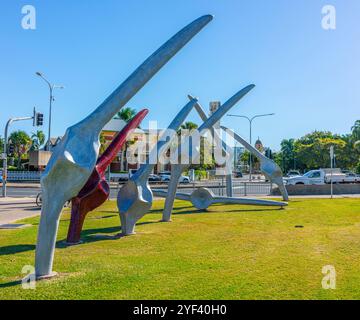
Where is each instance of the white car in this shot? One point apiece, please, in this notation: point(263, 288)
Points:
point(320, 176)
point(166, 178)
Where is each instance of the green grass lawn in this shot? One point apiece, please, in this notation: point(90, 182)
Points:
point(228, 252)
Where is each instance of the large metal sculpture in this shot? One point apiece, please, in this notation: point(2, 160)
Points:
point(178, 169)
point(97, 190)
point(267, 166)
point(202, 198)
point(74, 159)
point(135, 197)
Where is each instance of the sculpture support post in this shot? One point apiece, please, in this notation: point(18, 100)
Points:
point(229, 185)
point(74, 159)
point(176, 171)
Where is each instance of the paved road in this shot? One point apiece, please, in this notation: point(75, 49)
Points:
point(30, 190)
point(13, 209)
point(15, 192)
point(22, 192)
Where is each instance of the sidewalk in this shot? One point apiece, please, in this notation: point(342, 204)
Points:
point(13, 209)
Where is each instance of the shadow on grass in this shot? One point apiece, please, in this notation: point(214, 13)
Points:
point(198, 211)
point(10, 284)
point(18, 248)
point(100, 234)
point(87, 236)
point(162, 209)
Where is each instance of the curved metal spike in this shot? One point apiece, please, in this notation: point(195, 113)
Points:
point(176, 170)
point(270, 169)
point(73, 160)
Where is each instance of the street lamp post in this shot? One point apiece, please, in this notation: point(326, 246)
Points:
point(51, 88)
point(250, 123)
point(4, 155)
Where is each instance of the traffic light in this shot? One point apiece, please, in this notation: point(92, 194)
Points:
point(39, 119)
point(11, 149)
point(268, 153)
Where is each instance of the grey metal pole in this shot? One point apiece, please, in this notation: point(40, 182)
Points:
point(250, 157)
point(331, 166)
point(51, 88)
point(250, 122)
point(50, 109)
point(4, 173)
point(5, 150)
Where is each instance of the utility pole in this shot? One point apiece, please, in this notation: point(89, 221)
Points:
point(51, 88)
point(37, 117)
point(331, 166)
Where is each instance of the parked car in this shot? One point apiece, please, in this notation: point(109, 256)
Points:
point(154, 178)
point(351, 177)
point(123, 176)
point(293, 173)
point(184, 179)
point(165, 177)
point(320, 176)
point(238, 174)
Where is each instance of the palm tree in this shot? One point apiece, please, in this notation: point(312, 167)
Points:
point(125, 114)
point(21, 142)
point(38, 140)
point(190, 126)
point(356, 130)
point(103, 143)
point(357, 145)
point(288, 154)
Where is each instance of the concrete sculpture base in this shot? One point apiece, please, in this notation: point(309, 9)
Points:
point(48, 276)
point(135, 197)
point(177, 169)
point(203, 198)
point(97, 190)
point(74, 159)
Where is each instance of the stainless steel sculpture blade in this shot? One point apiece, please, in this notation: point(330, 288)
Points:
point(74, 158)
point(135, 197)
point(267, 166)
point(176, 170)
point(202, 198)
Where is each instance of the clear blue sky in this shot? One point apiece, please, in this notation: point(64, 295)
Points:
point(308, 76)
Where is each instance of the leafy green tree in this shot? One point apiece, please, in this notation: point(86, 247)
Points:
point(21, 141)
point(103, 143)
point(355, 130)
point(125, 114)
point(1, 144)
point(188, 125)
point(37, 140)
point(286, 158)
point(313, 149)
